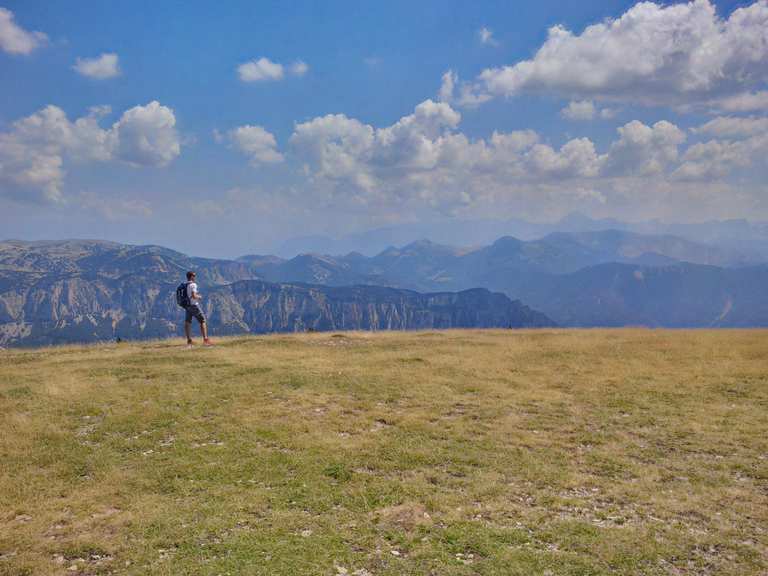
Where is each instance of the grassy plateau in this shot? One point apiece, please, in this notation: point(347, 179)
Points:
point(552, 452)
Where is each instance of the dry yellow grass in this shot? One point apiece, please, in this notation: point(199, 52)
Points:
point(463, 452)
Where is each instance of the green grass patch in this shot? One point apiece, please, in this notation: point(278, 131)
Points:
point(455, 453)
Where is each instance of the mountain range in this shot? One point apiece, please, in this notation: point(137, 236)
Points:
point(748, 238)
point(602, 278)
point(86, 291)
point(82, 290)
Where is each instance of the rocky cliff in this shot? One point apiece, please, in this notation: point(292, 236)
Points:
point(257, 306)
point(82, 291)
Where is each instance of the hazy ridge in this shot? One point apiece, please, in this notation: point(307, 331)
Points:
point(84, 290)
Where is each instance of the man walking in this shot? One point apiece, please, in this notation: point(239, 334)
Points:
point(188, 297)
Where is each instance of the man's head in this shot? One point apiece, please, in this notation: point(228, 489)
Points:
point(191, 276)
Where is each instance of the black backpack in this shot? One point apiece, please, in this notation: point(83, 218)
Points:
point(182, 298)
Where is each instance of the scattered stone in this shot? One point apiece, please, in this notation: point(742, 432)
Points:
point(306, 533)
point(167, 441)
point(23, 518)
point(209, 443)
point(106, 512)
point(380, 424)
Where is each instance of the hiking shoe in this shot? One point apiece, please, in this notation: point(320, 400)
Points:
point(207, 342)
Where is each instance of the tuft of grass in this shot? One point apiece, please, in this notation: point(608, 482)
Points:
point(561, 452)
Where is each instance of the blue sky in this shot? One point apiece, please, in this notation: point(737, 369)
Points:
point(624, 119)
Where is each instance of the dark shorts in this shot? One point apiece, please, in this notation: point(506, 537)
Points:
point(193, 311)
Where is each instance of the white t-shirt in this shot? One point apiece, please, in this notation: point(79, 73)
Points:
point(192, 289)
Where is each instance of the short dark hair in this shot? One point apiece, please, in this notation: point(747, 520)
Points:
point(190, 275)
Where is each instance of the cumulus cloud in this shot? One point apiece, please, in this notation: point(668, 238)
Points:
point(737, 143)
point(423, 156)
point(644, 150)
point(744, 102)
point(100, 68)
point(299, 68)
point(34, 151)
point(453, 92)
point(264, 70)
point(256, 143)
point(337, 147)
point(576, 158)
point(586, 110)
point(146, 136)
point(424, 161)
point(733, 127)
point(260, 70)
point(579, 110)
point(718, 158)
point(14, 39)
point(445, 94)
point(486, 37)
point(338, 144)
point(679, 54)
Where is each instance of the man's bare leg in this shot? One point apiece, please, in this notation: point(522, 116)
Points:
point(204, 331)
point(188, 331)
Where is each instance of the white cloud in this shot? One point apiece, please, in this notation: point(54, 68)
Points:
point(34, 152)
point(105, 66)
point(680, 54)
point(256, 143)
point(264, 70)
point(576, 158)
point(644, 150)
point(466, 97)
point(337, 147)
point(146, 136)
point(744, 102)
point(299, 68)
point(579, 110)
point(718, 158)
point(16, 40)
point(423, 157)
point(486, 37)
point(447, 86)
point(734, 127)
point(261, 70)
point(423, 160)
